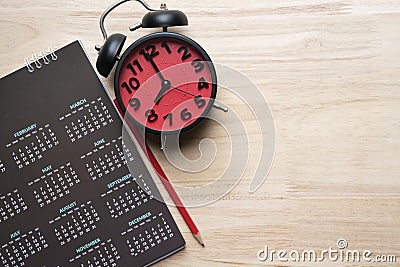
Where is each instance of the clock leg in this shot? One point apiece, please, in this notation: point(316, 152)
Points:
point(163, 141)
point(224, 109)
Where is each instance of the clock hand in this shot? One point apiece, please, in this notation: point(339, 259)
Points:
point(183, 91)
point(214, 105)
point(149, 58)
point(165, 86)
point(155, 67)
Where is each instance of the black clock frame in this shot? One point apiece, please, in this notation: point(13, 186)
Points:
point(166, 35)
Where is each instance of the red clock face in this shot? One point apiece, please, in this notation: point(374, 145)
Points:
point(165, 82)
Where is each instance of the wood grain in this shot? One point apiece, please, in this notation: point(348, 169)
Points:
point(330, 70)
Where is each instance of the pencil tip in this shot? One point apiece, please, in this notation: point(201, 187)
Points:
point(199, 238)
point(203, 245)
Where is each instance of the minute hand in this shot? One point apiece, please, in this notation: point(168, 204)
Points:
point(155, 67)
point(150, 59)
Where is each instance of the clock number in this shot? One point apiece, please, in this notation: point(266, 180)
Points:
point(132, 68)
point(126, 86)
point(134, 103)
point(202, 84)
point(169, 117)
point(134, 84)
point(185, 114)
point(198, 65)
point(151, 115)
point(149, 55)
point(165, 45)
point(186, 53)
point(200, 102)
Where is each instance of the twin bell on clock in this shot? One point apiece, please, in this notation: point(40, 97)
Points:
point(164, 81)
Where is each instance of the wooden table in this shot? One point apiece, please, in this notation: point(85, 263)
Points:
point(330, 71)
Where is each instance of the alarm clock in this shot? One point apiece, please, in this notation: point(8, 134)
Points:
point(164, 82)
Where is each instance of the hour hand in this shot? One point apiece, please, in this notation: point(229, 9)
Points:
point(165, 86)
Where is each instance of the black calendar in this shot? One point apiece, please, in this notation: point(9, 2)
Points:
point(67, 197)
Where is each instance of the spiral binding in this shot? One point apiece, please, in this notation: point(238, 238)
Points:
point(44, 56)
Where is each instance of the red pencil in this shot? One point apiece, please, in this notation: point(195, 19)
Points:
point(168, 186)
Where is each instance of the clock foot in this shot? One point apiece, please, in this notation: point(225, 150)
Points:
point(163, 141)
point(224, 109)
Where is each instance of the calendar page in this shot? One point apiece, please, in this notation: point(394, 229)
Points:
point(67, 197)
